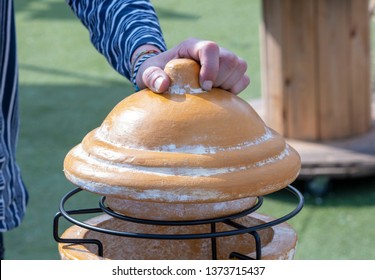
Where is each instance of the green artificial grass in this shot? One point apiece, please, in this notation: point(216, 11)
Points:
point(337, 226)
point(67, 88)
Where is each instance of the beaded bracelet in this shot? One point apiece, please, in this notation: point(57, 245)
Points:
point(139, 59)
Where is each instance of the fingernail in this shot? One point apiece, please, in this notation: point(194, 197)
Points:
point(207, 85)
point(158, 83)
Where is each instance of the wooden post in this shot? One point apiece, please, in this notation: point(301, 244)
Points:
point(316, 68)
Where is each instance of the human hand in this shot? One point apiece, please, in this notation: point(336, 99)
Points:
point(219, 67)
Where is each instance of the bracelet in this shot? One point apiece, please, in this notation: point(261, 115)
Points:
point(139, 59)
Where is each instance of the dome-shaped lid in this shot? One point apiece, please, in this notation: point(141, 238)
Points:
point(185, 145)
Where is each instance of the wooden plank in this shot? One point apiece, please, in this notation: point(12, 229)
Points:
point(273, 62)
point(316, 68)
point(300, 78)
point(350, 157)
point(360, 67)
point(333, 76)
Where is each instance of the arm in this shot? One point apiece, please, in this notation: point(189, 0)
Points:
point(118, 27)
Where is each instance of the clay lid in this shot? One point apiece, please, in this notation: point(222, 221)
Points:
point(182, 146)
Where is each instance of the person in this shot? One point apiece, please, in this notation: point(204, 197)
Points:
point(13, 194)
point(128, 34)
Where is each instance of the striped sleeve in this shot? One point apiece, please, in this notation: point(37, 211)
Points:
point(13, 193)
point(118, 27)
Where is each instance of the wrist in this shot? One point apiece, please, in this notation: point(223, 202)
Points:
point(138, 58)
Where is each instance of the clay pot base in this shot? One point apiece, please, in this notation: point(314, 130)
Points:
point(278, 242)
point(179, 212)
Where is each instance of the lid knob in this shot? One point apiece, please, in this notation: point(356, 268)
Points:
point(184, 76)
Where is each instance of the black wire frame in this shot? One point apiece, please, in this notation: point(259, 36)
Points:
point(213, 234)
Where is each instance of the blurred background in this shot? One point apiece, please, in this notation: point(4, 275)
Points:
point(67, 88)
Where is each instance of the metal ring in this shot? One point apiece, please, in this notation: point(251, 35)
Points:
point(182, 236)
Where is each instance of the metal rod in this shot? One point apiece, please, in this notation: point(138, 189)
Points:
point(240, 229)
point(72, 240)
point(236, 255)
point(258, 244)
point(213, 242)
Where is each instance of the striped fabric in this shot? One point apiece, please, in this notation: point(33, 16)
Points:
point(118, 27)
point(13, 195)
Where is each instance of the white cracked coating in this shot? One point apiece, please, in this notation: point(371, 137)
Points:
point(178, 89)
point(172, 171)
point(194, 149)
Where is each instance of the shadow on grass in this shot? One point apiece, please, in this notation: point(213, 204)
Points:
point(45, 10)
point(172, 15)
point(44, 70)
point(356, 192)
point(60, 112)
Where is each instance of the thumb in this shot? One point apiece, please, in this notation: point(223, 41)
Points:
point(155, 79)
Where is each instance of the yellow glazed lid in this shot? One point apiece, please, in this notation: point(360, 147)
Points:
point(182, 146)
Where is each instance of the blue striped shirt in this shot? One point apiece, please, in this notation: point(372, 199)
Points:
point(116, 27)
point(13, 195)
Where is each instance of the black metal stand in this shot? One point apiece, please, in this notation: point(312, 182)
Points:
point(213, 234)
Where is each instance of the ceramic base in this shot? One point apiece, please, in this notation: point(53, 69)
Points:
point(278, 242)
point(179, 212)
